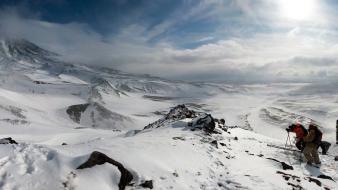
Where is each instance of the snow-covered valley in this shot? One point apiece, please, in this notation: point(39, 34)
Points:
point(60, 113)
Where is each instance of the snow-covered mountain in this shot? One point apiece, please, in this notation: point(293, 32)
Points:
point(60, 113)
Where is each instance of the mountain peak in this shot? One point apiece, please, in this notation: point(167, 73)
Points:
point(22, 49)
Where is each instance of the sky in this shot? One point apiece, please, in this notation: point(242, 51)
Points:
point(198, 40)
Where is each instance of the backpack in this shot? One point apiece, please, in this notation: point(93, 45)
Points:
point(304, 130)
point(318, 136)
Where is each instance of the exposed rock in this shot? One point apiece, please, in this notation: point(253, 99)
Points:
point(336, 158)
point(147, 184)
point(200, 120)
point(322, 176)
point(95, 115)
point(175, 174)
point(15, 121)
point(222, 144)
point(179, 138)
point(159, 98)
point(298, 187)
point(288, 176)
point(285, 166)
point(75, 111)
point(98, 158)
point(63, 144)
point(18, 112)
point(8, 140)
point(204, 121)
point(236, 138)
point(177, 113)
point(315, 181)
point(40, 82)
point(214, 142)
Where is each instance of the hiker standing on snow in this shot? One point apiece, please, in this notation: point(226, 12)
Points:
point(312, 141)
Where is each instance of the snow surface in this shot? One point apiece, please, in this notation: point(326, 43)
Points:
point(174, 157)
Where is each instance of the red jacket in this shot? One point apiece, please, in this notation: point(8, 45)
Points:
point(299, 131)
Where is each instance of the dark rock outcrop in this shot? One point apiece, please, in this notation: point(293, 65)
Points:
point(75, 111)
point(147, 184)
point(200, 120)
point(8, 140)
point(98, 116)
point(98, 158)
point(322, 176)
point(285, 166)
point(316, 181)
point(177, 113)
point(204, 121)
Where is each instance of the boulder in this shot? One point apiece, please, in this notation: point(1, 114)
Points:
point(98, 158)
point(147, 184)
point(8, 140)
point(205, 122)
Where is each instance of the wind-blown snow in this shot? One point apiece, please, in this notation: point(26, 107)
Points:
point(35, 93)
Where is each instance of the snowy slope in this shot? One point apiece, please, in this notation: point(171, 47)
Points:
point(45, 102)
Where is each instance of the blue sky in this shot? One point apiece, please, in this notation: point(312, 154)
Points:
point(223, 40)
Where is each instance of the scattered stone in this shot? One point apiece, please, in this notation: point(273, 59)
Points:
point(336, 158)
point(288, 176)
point(298, 187)
point(220, 184)
point(98, 158)
point(315, 181)
point(175, 174)
point(8, 140)
point(260, 155)
point(68, 185)
point(236, 138)
point(322, 176)
point(214, 142)
point(216, 132)
point(222, 144)
point(147, 184)
point(64, 144)
point(179, 138)
point(224, 129)
point(285, 166)
point(40, 82)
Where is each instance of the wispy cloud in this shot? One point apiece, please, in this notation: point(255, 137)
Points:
point(242, 42)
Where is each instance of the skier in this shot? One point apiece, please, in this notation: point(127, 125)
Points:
point(312, 141)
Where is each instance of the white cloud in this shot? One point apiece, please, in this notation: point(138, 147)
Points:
point(300, 53)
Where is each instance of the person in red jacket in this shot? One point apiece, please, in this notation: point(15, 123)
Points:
point(301, 132)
